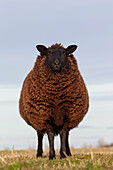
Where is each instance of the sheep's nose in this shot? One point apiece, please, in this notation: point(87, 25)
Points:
point(56, 63)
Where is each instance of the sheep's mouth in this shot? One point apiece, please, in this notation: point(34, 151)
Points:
point(56, 68)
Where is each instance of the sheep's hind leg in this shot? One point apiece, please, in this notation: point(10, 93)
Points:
point(51, 145)
point(63, 144)
point(67, 145)
point(40, 149)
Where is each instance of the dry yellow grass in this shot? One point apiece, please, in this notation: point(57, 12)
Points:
point(92, 158)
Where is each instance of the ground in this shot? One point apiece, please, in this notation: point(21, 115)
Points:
point(85, 158)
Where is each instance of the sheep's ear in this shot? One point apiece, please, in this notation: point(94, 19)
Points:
point(70, 49)
point(42, 49)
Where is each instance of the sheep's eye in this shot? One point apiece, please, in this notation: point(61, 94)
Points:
point(64, 52)
point(49, 52)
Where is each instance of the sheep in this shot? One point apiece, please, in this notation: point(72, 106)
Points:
point(54, 98)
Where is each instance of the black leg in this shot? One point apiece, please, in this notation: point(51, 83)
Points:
point(51, 145)
point(40, 149)
point(67, 145)
point(63, 143)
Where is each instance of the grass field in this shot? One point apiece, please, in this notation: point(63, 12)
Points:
point(89, 159)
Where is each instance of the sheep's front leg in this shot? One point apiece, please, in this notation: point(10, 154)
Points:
point(67, 145)
point(63, 143)
point(51, 145)
point(40, 149)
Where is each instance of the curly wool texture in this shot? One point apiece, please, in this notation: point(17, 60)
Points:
point(52, 101)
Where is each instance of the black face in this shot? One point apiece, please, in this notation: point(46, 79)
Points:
point(56, 57)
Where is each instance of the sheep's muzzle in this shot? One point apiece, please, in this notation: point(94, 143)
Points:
point(56, 66)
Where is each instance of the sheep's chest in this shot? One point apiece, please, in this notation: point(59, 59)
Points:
point(59, 100)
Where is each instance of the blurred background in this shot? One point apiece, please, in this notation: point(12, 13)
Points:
point(26, 23)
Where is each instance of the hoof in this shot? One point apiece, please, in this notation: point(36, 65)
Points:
point(52, 156)
point(68, 153)
point(62, 155)
point(39, 155)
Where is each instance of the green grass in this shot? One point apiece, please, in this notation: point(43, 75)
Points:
point(88, 159)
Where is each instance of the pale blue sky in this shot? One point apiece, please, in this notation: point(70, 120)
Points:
point(26, 23)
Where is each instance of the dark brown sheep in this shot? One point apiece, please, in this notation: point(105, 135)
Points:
point(54, 98)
